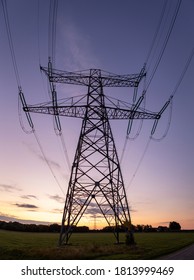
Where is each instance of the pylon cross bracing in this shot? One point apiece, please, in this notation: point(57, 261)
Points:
point(96, 184)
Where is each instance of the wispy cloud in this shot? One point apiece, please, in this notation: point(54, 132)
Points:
point(132, 209)
point(51, 162)
point(7, 218)
point(164, 223)
point(9, 188)
point(29, 196)
point(57, 198)
point(93, 210)
point(57, 211)
point(28, 206)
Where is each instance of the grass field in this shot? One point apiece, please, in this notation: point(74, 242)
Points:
point(22, 245)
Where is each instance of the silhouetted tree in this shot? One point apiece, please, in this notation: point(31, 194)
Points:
point(139, 228)
point(81, 229)
point(162, 229)
point(31, 227)
point(108, 229)
point(174, 226)
point(54, 228)
point(147, 228)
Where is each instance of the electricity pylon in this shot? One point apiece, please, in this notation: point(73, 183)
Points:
point(96, 180)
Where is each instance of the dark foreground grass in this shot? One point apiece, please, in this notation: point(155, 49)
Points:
point(21, 245)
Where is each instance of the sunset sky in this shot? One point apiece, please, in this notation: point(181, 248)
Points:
point(115, 36)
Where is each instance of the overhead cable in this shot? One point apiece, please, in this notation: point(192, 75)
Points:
point(52, 29)
point(165, 42)
point(9, 35)
point(47, 161)
point(170, 100)
point(157, 30)
point(139, 163)
point(183, 72)
point(21, 97)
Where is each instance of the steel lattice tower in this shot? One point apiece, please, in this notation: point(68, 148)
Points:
point(96, 180)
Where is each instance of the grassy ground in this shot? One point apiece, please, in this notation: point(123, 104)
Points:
point(21, 245)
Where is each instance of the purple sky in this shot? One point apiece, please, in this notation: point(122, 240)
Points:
point(115, 36)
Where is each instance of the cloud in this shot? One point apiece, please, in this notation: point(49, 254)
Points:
point(57, 211)
point(96, 216)
point(24, 205)
point(93, 210)
point(8, 188)
point(57, 198)
point(164, 223)
point(132, 209)
point(29, 196)
point(8, 218)
point(51, 162)
point(12, 218)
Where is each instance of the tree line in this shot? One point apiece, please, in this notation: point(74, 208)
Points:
point(16, 226)
point(173, 226)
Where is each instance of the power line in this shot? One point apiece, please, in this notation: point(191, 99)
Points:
point(63, 145)
point(53, 10)
point(165, 42)
point(38, 31)
point(169, 102)
point(144, 91)
point(159, 37)
point(47, 162)
point(183, 72)
point(51, 52)
point(152, 75)
point(11, 46)
point(23, 102)
point(139, 163)
point(124, 149)
point(134, 108)
point(20, 94)
point(128, 138)
point(52, 29)
point(157, 30)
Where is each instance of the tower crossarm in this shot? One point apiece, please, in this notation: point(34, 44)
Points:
point(113, 113)
point(83, 78)
point(117, 113)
